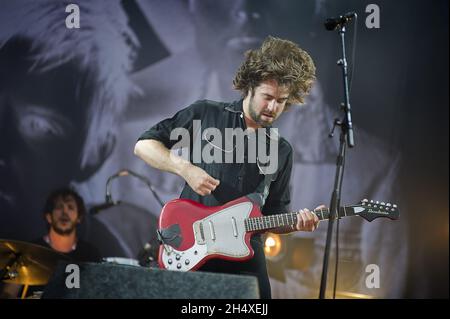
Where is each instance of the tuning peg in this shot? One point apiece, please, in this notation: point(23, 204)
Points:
point(395, 206)
point(377, 202)
point(371, 201)
point(365, 200)
point(382, 203)
point(388, 204)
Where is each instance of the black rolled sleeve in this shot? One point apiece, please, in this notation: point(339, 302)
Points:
point(182, 119)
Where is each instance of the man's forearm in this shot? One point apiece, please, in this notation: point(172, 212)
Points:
point(157, 155)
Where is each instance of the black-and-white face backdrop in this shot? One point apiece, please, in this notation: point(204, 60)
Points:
point(73, 102)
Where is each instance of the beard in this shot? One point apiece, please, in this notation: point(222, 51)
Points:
point(63, 231)
point(257, 117)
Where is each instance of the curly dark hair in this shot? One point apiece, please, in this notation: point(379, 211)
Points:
point(282, 61)
point(63, 193)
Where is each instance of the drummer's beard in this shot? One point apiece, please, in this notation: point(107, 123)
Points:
point(63, 230)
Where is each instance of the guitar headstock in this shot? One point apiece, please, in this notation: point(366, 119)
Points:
point(369, 210)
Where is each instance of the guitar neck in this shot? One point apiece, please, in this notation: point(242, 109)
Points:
point(288, 219)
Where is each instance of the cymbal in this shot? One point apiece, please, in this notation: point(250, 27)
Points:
point(352, 295)
point(27, 264)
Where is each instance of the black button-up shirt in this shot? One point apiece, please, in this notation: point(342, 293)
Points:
point(238, 178)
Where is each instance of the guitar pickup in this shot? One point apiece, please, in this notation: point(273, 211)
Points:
point(233, 223)
point(199, 234)
point(211, 229)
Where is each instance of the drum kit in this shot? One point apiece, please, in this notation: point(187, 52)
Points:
point(27, 264)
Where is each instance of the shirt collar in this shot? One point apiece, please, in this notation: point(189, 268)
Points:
point(237, 107)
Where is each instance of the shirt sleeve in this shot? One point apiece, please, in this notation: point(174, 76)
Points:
point(182, 119)
point(279, 196)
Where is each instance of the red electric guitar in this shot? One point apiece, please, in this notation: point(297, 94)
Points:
point(192, 233)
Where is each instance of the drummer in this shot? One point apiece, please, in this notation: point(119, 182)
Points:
point(64, 211)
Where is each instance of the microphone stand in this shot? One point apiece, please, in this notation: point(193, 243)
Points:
point(126, 172)
point(346, 138)
point(147, 255)
point(149, 185)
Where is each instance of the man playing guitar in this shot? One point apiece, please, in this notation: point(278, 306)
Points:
point(271, 79)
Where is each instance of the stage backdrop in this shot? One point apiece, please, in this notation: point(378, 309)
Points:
point(75, 98)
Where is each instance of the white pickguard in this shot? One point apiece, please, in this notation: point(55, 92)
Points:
point(223, 233)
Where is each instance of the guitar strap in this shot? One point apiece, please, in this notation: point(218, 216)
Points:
point(170, 236)
point(261, 193)
point(264, 186)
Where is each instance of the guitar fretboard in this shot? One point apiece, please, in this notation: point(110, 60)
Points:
point(283, 220)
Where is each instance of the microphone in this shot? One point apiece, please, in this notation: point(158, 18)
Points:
point(332, 23)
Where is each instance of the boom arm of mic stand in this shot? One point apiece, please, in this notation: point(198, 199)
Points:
point(108, 197)
point(150, 186)
point(126, 172)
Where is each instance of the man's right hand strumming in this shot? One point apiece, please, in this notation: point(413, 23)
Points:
point(158, 156)
point(201, 182)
